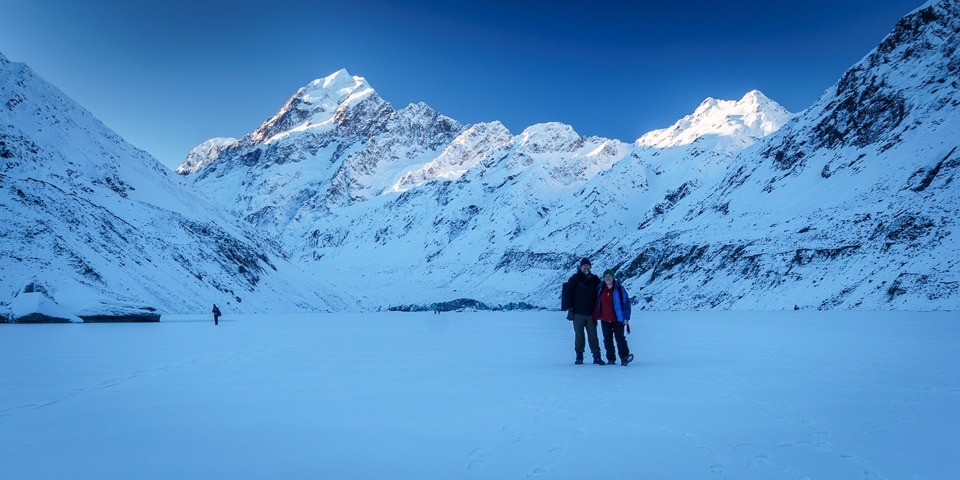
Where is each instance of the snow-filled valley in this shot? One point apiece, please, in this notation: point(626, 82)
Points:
point(710, 395)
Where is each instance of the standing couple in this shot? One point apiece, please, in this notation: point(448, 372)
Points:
point(587, 301)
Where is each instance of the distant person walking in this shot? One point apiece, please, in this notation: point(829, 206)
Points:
point(580, 300)
point(216, 314)
point(613, 313)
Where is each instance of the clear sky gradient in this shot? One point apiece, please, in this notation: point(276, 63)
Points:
point(167, 75)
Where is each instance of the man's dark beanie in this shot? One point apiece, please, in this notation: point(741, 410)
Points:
point(585, 261)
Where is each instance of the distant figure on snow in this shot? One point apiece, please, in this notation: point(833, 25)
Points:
point(613, 313)
point(580, 299)
point(216, 314)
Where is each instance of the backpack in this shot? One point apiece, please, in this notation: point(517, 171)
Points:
point(565, 292)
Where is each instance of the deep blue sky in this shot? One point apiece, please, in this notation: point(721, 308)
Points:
point(167, 75)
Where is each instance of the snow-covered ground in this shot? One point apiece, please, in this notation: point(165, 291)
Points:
point(731, 395)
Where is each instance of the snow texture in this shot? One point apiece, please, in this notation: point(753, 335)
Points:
point(775, 396)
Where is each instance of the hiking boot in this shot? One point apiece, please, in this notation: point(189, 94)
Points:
point(626, 361)
point(578, 361)
point(597, 361)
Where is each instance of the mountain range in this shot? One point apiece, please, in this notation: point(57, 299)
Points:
point(342, 202)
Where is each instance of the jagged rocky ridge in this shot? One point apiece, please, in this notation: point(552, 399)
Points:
point(851, 204)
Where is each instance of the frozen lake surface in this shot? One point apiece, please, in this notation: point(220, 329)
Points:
point(724, 395)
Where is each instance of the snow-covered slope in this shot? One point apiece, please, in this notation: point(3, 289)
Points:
point(103, 229)
point(732, 124)
point(852, 204)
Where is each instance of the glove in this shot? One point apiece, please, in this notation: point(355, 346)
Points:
point(569, 314)
point(628, 326)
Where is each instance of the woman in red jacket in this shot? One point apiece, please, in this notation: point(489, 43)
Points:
point(613, 313)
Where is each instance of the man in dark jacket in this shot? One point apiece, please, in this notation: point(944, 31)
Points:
point(582, 301)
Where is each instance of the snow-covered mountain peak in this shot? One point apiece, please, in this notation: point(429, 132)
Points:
point(547, 137)
point(320, 106)
point(418, 113)
point(737, 122)
point(338, 80)
point(205, 153)
point(327, 94)
point(417, 110)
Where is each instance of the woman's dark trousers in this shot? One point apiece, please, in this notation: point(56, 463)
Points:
point(614, 331)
